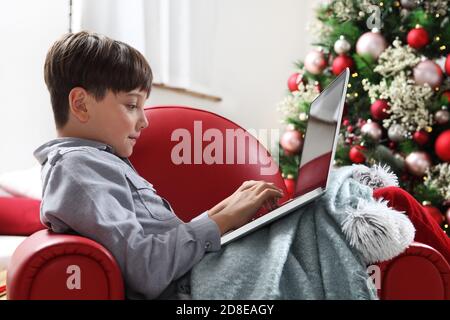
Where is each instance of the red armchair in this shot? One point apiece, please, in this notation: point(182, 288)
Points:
point(56, 266)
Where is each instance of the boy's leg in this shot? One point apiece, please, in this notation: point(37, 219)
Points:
point(427, 229)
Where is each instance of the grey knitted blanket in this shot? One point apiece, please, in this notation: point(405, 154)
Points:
point(321, 251)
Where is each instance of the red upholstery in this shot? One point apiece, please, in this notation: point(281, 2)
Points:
point(429, 276)
point(420, 272)
point(194, 188)
point(38, 269)
point(19, 216)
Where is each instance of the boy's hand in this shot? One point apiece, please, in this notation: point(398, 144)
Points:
point(238, 209)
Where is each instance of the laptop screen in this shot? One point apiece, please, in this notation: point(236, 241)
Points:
point(321, 132)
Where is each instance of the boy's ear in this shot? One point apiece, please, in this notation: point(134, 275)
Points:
point(78, 98)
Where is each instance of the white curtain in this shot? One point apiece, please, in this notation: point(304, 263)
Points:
point(176, 36)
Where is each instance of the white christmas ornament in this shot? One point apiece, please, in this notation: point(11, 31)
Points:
point(342, 45)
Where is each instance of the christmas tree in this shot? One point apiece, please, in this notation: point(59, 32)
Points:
point(397, 104)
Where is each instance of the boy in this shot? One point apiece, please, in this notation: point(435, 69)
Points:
point(98, 87)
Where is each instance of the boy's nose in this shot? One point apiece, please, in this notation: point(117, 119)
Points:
point(144, 121)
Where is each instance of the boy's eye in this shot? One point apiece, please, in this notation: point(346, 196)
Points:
point(131, 106)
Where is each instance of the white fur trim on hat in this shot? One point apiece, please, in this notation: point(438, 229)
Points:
point(378, 232)
point(377, 176)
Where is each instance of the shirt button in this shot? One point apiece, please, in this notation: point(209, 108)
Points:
point(207, 245)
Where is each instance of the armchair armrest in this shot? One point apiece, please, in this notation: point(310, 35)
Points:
point(47, 265)
point(420, 272)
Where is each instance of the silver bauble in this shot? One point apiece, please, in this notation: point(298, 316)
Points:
point(442, 116)
point(396, 132)
point(342, 45)
point(408, 4)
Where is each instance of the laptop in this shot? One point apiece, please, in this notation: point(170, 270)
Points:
point(317, 157)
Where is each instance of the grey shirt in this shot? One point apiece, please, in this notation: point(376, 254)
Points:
point(89, 190)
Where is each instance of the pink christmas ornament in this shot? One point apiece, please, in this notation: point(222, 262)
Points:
point(428, 72)
point(315, 62)
point(373, 130)
point(418, 162)
point(292, 141)
point(371, 43)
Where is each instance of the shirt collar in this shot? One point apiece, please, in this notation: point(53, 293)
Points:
point(42, 152)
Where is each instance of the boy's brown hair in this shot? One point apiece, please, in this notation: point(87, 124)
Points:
point(97, 64)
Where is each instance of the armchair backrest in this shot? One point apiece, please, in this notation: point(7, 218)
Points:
point(175, 154)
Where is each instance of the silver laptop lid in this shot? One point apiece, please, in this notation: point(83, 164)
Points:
point(321, 136)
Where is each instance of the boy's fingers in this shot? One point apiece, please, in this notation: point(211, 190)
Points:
point(266, 185)
point(268, 194)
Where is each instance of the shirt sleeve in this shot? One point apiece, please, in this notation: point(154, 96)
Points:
point(92, 198)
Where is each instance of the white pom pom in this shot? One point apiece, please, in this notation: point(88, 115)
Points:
point(375, 177)
point(378, 232)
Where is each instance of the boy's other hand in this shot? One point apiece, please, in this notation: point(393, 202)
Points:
point(238, 209)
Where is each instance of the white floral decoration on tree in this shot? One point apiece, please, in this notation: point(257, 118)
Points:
point(408, 101)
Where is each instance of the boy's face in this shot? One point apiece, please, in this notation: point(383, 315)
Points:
point(116, 120)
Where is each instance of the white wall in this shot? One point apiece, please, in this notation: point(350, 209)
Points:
point(27, 29)
point(257, 42)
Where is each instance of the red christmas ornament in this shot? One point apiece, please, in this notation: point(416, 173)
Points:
point(340, 63)
point(378, 109)
point(421, 137)
point(355, 154)
point(294, 80)
point(290, 186)
point(447, 93)
point(418, 38)
point(442, 146)
point(447, 65)
point(434, 213)
point(345, 122)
